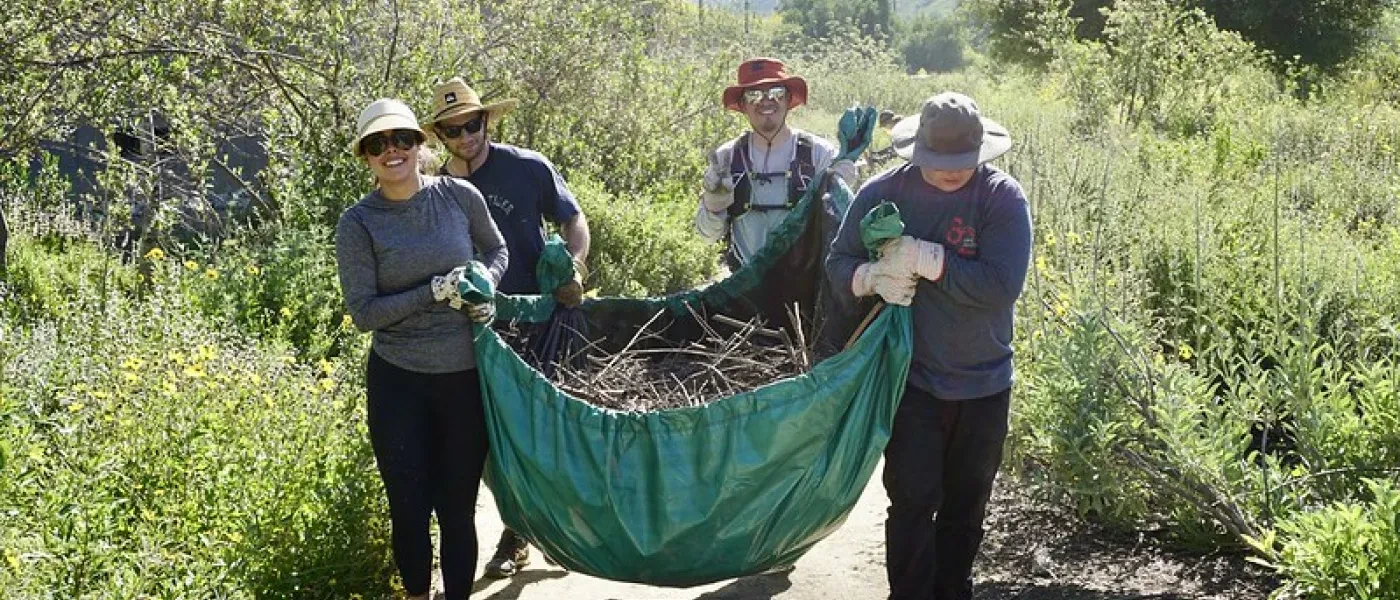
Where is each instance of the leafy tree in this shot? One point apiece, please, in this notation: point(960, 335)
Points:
point(816, 18)
point(1023, 30)
point(1319, 34)
point(934, 44)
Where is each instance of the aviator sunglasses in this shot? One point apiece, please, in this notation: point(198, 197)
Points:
point(778, 93)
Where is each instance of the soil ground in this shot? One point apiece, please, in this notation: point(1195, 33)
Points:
point(1032, 552)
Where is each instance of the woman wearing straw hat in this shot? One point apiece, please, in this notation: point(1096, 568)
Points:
point(961, 265)
point(400, 252)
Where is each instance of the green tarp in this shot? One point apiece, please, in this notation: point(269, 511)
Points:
point(682, 497)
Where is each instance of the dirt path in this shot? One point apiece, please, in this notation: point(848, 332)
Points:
point(1030, 554)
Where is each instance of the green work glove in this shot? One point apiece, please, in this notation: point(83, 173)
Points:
point(855, 130)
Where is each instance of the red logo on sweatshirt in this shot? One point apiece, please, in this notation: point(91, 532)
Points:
point(962, 238)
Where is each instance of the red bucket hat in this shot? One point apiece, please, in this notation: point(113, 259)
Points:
point(758, 72)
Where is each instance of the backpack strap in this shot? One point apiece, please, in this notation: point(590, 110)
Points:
point(739, 166)
point(802, 172)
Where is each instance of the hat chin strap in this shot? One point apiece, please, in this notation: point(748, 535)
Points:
point(768, 139)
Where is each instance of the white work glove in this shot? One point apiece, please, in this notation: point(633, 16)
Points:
point(718, 185)
point(913, 256)
point(879, 278)
point(445, 287)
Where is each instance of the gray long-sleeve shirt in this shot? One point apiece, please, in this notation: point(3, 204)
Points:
point(962, 322)
point(388, 252)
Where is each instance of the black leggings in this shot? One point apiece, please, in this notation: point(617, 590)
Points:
point(429, 436)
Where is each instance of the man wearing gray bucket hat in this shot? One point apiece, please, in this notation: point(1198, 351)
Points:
point(960, 265)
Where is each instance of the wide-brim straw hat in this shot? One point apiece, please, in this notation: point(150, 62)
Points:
point(454, 98)
point(383, 114)
point(950, 134)
point(760, 73)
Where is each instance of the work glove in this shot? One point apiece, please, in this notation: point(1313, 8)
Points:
point(855, 130)
point(481, 312)
point(570, 293)
point(718, 185)
point(915, 257)
point(880, 278)
point(445, 287)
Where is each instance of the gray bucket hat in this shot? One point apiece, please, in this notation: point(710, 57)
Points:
point(950, 134)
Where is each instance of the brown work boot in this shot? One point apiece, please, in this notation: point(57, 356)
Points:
point(512, 554)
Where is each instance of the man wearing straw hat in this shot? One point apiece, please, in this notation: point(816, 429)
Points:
point(521, 186)
point(961, 265)
point(754, 180)
point(522, 189)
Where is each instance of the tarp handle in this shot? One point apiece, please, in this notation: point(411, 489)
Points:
point(870, 316)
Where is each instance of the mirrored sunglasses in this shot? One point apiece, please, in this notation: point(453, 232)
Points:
point(403, 139)
point(778, 93)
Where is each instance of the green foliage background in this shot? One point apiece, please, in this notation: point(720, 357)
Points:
point(1206, 348)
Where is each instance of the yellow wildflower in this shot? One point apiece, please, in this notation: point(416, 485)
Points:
point(252, 270)
point(285, 312)
point(191, 265)
point(75, 407)
point(155, 254)
point(1185, 351)
point(211, 274)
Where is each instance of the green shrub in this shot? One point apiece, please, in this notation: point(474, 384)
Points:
point(645, 245)
point(150, 452)
point(1346, 551)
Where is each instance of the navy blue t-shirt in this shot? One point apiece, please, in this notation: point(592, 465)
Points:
point(522, 189)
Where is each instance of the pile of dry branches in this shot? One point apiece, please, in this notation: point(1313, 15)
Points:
point(651, 374)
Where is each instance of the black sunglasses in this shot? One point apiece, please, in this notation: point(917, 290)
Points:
point(403, 139)
point(471, 127)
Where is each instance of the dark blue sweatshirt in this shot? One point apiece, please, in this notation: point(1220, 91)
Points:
point(962, 322)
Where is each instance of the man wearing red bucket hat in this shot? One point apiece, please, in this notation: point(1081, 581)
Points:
point(755, 179)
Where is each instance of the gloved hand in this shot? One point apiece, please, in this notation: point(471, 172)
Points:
point(717, 184)
point(855, 131)
point(880, 278)
point(481, 312)
point(915, 257)
point(445, 287)
point(570, 293)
